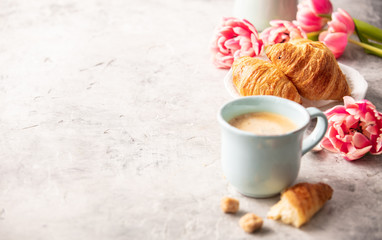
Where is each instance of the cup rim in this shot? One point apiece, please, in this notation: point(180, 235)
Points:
point(228, 126)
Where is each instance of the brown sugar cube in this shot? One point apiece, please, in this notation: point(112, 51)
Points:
point(250, 222)
point(229, 205)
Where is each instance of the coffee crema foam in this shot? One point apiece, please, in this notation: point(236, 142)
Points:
point(263, 123)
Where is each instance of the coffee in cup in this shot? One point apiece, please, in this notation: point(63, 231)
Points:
point(263, 123)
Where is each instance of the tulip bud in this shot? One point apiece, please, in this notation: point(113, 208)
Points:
point(341, 22)
point(335, 41)
point(307, 19)
point(320, 6)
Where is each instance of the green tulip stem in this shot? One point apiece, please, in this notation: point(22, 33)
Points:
point(328, 16)
point(373, 50)
point(376, 45)
point(313, 35)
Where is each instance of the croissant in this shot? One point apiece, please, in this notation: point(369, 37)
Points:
point(252, 76)
point(312, 68)
point(300, 202)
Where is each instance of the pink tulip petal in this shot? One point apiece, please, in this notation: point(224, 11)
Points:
point(346, 138)
point(337, 27)
point(338, 144)
point(307, 19)
point(356, 113)
point(250, 27)
point(337, 117)
point(257, 43)
point(351, 122)
point(336, 110)
point(348, 100)
point(347, 19)
point(355, 153)
point(345, 147)
point(221, 46)
point(340, 129)
point(341, 22)
point(276, 23)
point(360, 141)
point(332, 132)
point(377, 147)
point(370, 118)
point(327, 144)
point(372, 130)
point(336, 42)
point(227, 32)
point(232, 43)
point(241, 31)
point(321, 6)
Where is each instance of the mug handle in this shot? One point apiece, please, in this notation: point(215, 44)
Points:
point(318, 132)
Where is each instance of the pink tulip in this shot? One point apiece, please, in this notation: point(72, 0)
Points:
point(340, 28)
point(354, 129)
point(335, 41)
point(320, 6)
point(341, 22)
point(280, 32)
point(234, 38)
point(307, 18)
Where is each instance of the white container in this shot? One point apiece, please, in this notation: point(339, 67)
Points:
point(260, 12)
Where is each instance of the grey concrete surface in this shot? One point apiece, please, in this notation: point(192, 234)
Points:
point(108, 127)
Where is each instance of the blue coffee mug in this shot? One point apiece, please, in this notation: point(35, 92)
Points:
point(262, 166)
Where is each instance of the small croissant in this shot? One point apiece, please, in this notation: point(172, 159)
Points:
point(312, 68)
point(252, 76)
point(299, 203)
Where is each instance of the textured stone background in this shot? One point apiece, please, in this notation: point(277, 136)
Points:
point(108, 127)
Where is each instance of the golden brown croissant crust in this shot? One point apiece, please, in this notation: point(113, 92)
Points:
point(253, 76)
point(300, 202)
point(312, 68)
